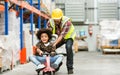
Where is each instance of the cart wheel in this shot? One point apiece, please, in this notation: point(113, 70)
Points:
point(44, 73)
point(38, 72)
point(53, 72)
point(49, 73)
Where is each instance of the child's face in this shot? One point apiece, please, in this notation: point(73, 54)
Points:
point(44, 38)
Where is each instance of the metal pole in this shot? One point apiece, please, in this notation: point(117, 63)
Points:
point(45, 21)
point(17, 9)
point(6, 17)
point(31, 20)
point(39, 19)
point(21, 28)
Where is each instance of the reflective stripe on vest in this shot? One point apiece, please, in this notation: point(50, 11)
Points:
point(70, 33)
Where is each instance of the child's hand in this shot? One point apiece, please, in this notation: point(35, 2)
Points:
point(40, 52)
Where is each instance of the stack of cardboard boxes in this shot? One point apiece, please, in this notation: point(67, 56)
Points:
point(9, 53)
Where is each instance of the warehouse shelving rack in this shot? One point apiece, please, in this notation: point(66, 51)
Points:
point(24, 4)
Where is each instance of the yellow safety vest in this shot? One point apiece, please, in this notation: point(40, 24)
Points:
point(70, 34)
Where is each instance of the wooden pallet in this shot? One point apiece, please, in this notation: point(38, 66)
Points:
point(111, 51)
point(110, 47)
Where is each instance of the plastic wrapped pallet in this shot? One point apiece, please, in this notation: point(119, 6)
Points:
point(109, 32)
point(114, 43)
point(13, 22)
point(10, 52)
point(1, 49)
point(110, 29)
point(15, 47)
point(1, 23)
point(105, 42)
point(14, 33)
point(6, 53)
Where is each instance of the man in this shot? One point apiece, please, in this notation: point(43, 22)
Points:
point(62, 26)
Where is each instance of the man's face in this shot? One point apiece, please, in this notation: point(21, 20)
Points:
point(57, 21)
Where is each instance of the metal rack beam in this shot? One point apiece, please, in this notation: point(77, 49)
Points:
point(31, 20)
point(29, 7)
point(39, 19)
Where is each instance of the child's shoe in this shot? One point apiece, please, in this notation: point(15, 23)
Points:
point(40, 67)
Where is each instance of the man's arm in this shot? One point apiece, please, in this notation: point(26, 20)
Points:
point(63, 33)
point(58, 40)
point(48, 25)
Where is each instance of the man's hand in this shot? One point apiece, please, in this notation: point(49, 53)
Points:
point(52, 53)
point(53, 46)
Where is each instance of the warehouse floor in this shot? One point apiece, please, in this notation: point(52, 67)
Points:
point(85, 63)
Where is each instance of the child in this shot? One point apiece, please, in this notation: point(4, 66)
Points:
point(44, 45)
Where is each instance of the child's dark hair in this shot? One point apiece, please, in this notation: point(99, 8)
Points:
point(44, 30)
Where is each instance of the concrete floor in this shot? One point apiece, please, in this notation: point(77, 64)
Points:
point(85, 63)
